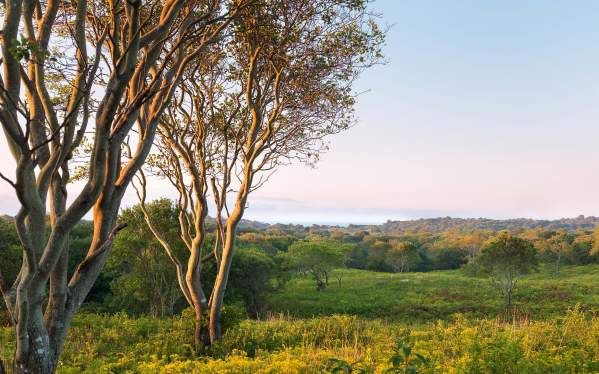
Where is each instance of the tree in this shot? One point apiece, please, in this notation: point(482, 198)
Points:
point(142, 280)
point(472, 243)
point(376, 256)
point(252, 278)
point(316, 258)
point(402, 255)
point(556, 246)
point(449, 258)
point(456, 243)
point(83, 67)
point(297, 61)
point(357, 256)
point(582, 251)
point(269, 94)
point(506, 257)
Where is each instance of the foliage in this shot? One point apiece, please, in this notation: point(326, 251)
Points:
point(142, 280)
point(508, 253)
point(232, 315)
point(565, 344)
point(253, 276)
point(10, 250)
point(558, 245)
point(402, 256)
point(317, 258)
point(404, 360)
point(468, 224)
point(141, 276)
point(389, 325)
point(506, 257)
point(595, 246)
point(335, 366)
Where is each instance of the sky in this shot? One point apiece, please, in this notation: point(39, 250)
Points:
point(483, 109)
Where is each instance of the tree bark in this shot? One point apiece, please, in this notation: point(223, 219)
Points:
point(220, 284)
point(201, 333)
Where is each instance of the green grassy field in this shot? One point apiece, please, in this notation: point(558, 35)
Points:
point(456, 323)
point(423, 297)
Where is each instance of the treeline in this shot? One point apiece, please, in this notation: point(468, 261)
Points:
point(467, 224)
point(442, 224)
point(426, 251)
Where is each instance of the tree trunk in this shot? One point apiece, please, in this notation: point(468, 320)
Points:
point(220, 284)
point(36, 363)
point(201, 334)
point(37, 358)
point(320, 285)
point(508, 290)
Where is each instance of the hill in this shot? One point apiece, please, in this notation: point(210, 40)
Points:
point(441, 224)
point(467, 224)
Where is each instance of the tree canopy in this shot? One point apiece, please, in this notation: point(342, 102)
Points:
point(506, 257)
point(316, 258)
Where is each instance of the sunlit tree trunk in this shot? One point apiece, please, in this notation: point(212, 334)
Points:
point(222, 277)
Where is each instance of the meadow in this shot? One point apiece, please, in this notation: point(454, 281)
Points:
point(424, 297)
point(432, 322)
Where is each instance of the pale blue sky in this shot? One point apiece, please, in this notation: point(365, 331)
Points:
point(485, 108)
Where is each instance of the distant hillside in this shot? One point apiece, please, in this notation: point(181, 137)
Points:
point(244, 224)
point(444, 224)
point(467, 224)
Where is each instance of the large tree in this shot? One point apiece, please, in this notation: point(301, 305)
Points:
point(107, 69)
point(270, 94)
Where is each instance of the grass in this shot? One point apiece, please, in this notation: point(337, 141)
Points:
point(439, 295)
point(449, 319)
point(118, 344)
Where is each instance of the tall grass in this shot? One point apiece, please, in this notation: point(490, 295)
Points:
point(546, 333)
point(119, 344)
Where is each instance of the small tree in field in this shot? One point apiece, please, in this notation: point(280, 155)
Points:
point(506, 257)
point(315, 258)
